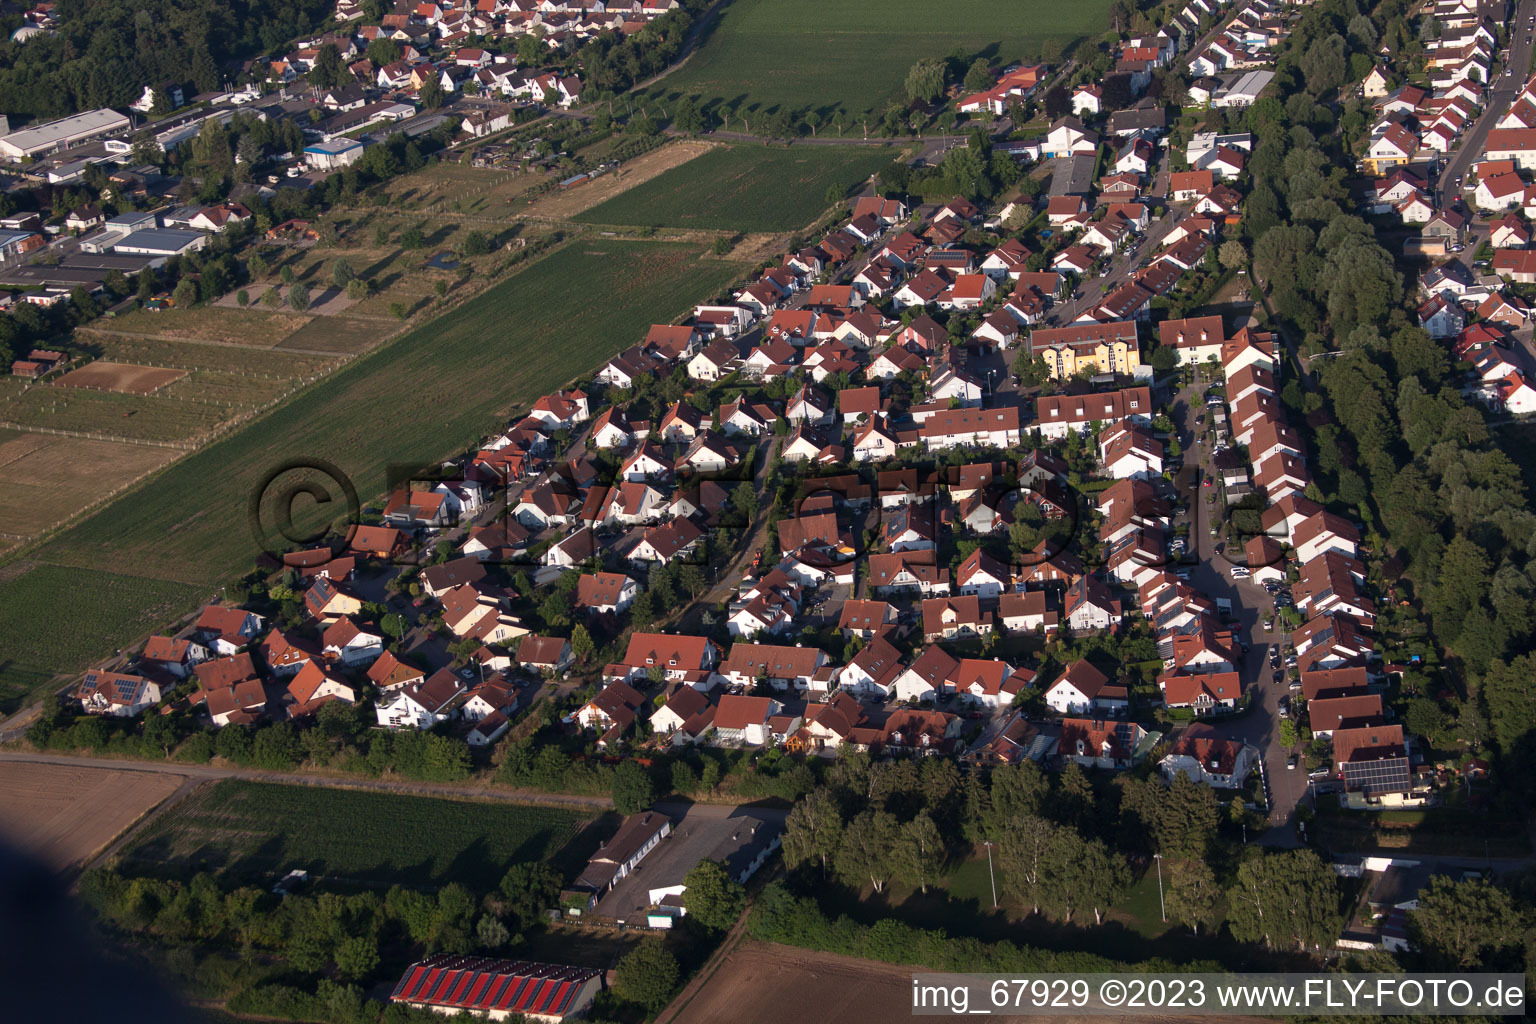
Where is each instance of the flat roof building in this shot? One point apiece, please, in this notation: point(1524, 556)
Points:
point(52, 136)
point(326, 156)
point(161, 242)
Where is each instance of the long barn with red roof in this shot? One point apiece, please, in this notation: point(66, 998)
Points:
point(449, 983)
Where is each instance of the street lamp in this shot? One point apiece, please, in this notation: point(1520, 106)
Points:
point(988, 844)
point(1160, 904)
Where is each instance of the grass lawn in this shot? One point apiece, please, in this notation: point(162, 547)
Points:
point(259, 830)
point(853, 55)
point(744, 188)
point(425, 395)
point(50, 608)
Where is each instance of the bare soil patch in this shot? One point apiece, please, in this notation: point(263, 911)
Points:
point(124, 378)
point(561, 204)
point(65, 815)
point(750, 984)
point(215, 323)
point(49, 477)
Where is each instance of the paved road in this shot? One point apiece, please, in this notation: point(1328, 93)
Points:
point(208, 772)
point(1251, 605)
point(1504, 90)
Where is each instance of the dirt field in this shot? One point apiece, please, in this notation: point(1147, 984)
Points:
point(214, 324)
point(65, 815)
point(124, 378)
point(559, 205)
point(49, 478)
point(750, 987)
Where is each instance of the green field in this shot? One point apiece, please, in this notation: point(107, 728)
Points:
point(744, 188)
point(853, 55)
point(258, 830)
point(426, 395)
point(48, 608)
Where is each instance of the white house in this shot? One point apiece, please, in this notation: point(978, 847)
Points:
point(1083, 688)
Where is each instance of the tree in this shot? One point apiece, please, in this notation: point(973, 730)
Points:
point(865, 853)
point(1026, 855)
point(647, 975)
point(527, 889)
point(978, 78)
point(919, 852)
point(686, 116)
point(1091, 876)
point(490, 933)
point(744, 500)
point(383, 51)
point(1186, 819)
point(1057, 102)
point(243, 297)
point(357, 289)
point(632, 788)
point(398, 310)
point(925, 80)
point(1459, 926)
point(357, 956)
point(1509, 690)
point(341, 273)
point(813, 831)
point(475, 243)
point(185, 294)
point(531, 48)
point(582, 647)
point(1192, 894)
point(1018, 791)
point(712, 897)
point(298, 297)
point(1287, 898)
point(328, 70)
point(431, 93)
point(1232, 254)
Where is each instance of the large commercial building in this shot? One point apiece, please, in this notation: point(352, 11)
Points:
point(43, 139)
point(498, 989)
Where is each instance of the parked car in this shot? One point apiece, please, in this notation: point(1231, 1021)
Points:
point(1290, 763)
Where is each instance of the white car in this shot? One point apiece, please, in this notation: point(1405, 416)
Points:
point(1240, 572)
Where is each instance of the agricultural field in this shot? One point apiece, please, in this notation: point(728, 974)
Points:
point(463, 189)
point(749, 986)
point(58, 618)
point(853, 56)
point(191, 355)
point(347, 334)
point(419, 397)
point(123, 378)
point(63, 815)
point(131, 417)
point(49, 477)
point(218, 325)
point(744, 188)
point(566, 203)
point(255, 829)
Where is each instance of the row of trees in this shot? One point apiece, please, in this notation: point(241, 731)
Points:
point(340, 738)
point(1061, 845)
point(326, 932)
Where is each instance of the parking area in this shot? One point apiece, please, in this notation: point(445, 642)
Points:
point(699, 832)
